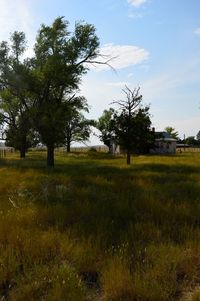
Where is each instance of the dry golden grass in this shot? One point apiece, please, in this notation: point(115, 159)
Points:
point(94, 229)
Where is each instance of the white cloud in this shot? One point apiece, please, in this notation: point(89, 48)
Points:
point(15, 15)
point(137, 3)
point(118, 84)
point(197, 31)
point(130, 75)
point(136, 15)
point(122, 56)
point(170, 79)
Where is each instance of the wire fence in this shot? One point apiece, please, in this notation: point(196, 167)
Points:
point(6, 151)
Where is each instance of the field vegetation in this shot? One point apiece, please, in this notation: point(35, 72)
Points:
point(96, 229)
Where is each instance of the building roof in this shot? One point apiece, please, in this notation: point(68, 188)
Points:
point(164, 136)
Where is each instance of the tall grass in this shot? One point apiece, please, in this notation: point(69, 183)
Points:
point(95, 229)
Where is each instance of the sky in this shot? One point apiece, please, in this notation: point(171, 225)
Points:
point(155, 43)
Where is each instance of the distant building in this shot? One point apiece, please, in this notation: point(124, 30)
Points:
point(114, 148)
point(164, 144)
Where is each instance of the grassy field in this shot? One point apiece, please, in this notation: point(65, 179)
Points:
point(94, 229)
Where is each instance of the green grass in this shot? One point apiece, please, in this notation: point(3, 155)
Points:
point(94, 229)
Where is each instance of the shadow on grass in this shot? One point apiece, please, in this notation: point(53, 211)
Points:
point(97, 198)
point(134, 216)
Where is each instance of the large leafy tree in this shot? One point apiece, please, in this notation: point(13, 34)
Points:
point(132, 124)
point(14, 95)
point(61, 58)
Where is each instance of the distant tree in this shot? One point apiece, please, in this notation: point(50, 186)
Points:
point(2, 128)
point(198, 137)
point(78, 128)
point(191, 140)
point(14, 96)
point(106, 126)
point(172, 132)
point(132, 125)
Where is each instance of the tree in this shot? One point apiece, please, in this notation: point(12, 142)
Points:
point(14, 98)
point(132, 125)
point(144, 137)
point(191, 140)
point(61, 58)
point(198, 137)
point(106, 125)
point(78, 128)
point(171, 131)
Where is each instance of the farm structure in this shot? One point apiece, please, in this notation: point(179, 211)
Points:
point(164, 144)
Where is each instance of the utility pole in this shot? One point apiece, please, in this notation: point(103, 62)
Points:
point(184, 142)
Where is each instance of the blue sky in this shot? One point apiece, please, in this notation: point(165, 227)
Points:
point(157, 44)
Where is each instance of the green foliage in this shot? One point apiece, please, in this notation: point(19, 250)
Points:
point(59, 63)
point(36, 93)
point(14, 103)
point(134, 133)
point(191, 140)
point(130, 127)
point(77, 128)
point(132, 124)
point(105, 125)
point(198, 136)
point(172, 132)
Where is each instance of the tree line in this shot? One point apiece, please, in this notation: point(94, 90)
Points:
point(40, 100)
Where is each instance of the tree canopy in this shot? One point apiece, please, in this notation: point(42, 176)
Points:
point(132, 124)
point(172, 132)
point(14, 92)
point(61, 58)
point(106, 125)
point(38, 93)
point(129, 126)
point(77, 128)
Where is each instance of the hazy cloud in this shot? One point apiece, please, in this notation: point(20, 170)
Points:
point(136, 15)
point(122, 56)
point(197, 31)
point(137, 3)
point(118, 84)
point(15, 15)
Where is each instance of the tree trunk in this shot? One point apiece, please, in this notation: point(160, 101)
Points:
point(110, 149)
point(23, 148)
point(50, 156)
point(22, 152)
point(68, 146)
point(128, 157)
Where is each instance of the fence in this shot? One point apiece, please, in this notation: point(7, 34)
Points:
point(98, 148)
point(187, 149)
point(4, 151)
